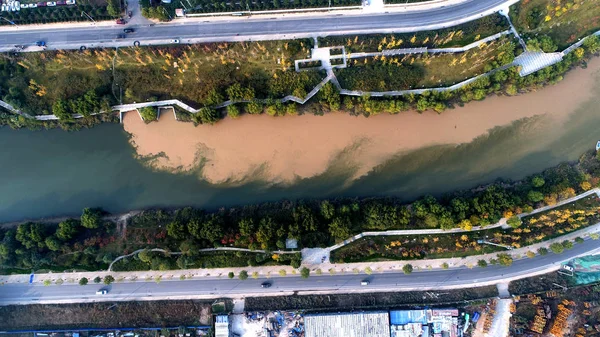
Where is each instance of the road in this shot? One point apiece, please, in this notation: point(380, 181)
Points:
point(215, 287)
point(253, 28)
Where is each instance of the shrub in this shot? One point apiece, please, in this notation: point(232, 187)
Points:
point(148, 114)
point(368, 271)
point(97, 279)
point(47, 282)
point(543, 251)
point(579, 239)
point(243, 275)
point(282, 272)
point(557, 248)
point(83, 281)
point(530, 254)
point(482, 263)
point(445, 265)
point(505, 259)
point(108, 279)
point(514, 222)
point(305, 272)
point(567, 244)
point(231, 274)
point(407, 269)
point(90, 218)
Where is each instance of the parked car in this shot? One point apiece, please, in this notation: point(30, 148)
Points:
point(61, 2)
point(128, 30)
point(41, 4)
point(175, 41)
point(266, 285)
point(121, 22)
point(102, 292)
point(32, 5)
point(568, 267)
point(50, 3)
point(70, 2)
point(24, 6)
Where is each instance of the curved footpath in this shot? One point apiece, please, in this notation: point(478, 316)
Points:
point(301, 26)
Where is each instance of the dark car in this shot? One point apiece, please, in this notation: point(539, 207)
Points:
point(265, 285)
point(128, 30)
point(121, 36)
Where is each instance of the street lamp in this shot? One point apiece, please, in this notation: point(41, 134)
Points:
point(11, 22)
point(88, 16)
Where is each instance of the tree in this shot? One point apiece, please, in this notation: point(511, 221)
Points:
point(296, 262)
point(67, 229)
point(305, 272)
point(505, 259)
point(243, 275)
point(537, 181)
point(543, 251)
point(579, 239)
point(445, 265)
point(233, 111)
point(535, 196)
point(60, 109)
point(407, 269)
point(97, 279)
point(83, 281)
point(339, 228)
point(145, 256)
point(113, 8)
point(108, 279)
point(206, 115)
point(557, 248)
point(176, 230)
point(327, 210)
point(254, 108)
point(482, 263)
point(149, 114)
point(90, 218)
point(567, 244)
point(231, 274)
point(465, 225)
point(514, 221)
point(53, 243)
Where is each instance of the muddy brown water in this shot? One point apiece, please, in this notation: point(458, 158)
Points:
point(262, 158)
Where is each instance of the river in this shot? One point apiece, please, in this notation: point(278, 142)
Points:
point(261, 158)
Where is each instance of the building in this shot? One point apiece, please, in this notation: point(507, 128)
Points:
point(361, 324)
point(222, 326)
point(421, 323)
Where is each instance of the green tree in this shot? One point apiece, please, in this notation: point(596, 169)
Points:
point(67, 229)
point(145, 256)
point(90, 218)
point(231, 274)
point(60, 109)
point(537, 181)
point(542, 251)
point(233, 111)
point(482, 263)
point(97, 279)
point(113, 8)
point(557, 248)
point(243, 275)
point(108, 279)
point(304, 272)
point(445, 265)
point(339, 228)
point(505, 259)
point(176, 230)
point(327, 210)
point(514, 221)
point(407, 269)
point(149, 114)
point(206, 116)
point(254, 108)
point(535, 196)
point(83, 281)
point(53, 243)
point(567, 244)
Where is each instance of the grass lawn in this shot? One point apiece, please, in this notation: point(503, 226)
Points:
point(564, 21)
point(424, 70)
point(457, 36)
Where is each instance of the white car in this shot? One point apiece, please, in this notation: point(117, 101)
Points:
point(568, 267)
point(102, 292)
point(32, 5)
point(175, 41)
point(70, 2)
point(51, 3)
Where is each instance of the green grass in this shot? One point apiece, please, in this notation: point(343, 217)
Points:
point(424, 70)
point(457, 36)
point(564, 21)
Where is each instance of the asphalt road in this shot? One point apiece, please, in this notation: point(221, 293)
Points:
point(214, 287)
point(280, 28)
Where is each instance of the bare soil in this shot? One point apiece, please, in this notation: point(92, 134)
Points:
point(105, 315)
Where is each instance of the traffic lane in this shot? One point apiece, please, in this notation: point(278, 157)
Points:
point(254, 27)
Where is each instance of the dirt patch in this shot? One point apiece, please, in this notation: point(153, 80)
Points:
point(285, 149)
point(105, 315)
point(369, 300)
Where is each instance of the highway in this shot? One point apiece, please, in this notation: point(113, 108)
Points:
point(195, 31)
point(222, 287)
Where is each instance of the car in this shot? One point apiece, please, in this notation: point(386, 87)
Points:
point(128, 30)
point(70, 2)
point(266, 285)
point(175, 41)
point(50, 3)
point(40, 43)
point(32, 5)
point(121, 22)
point(568, 267)
point(102, 292)
point(364, 282)
point(61, 2)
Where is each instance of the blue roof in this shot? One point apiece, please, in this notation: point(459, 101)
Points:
point(401, 317)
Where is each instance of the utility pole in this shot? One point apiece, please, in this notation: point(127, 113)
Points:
point(88, 16)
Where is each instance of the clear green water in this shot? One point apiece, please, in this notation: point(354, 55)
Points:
point(52, 173)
